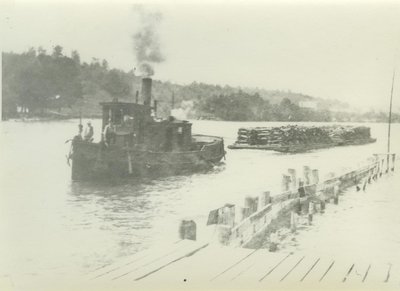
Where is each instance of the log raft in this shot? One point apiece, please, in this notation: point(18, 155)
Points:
point(295, 138)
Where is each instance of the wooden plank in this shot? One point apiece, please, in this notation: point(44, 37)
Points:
point(303, 270)
point(207, 265)
point(131, 271)
point(282, 268)
point(258, 267)
point(135, 259)
point(317, 272)
point(379, 273)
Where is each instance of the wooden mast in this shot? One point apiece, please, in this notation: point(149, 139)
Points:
point(390, 112)
point(390, 122)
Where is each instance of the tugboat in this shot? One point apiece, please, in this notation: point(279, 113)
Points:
point(141, 145)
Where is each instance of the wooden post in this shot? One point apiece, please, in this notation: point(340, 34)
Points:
point(310, 212)
point(323, 206)
point(297, 206)
point(336, 194)
point(301, 189)
point(285, 182)
point(315, 176)
point(224, 234)
point(130, 163)
point(293, 224)
point(137, 97)
point(306, 174)
point(293, 178)
point(264, 199)
point(387, 162)
point(187, 230)
point(229, 215)
point(244, 213)
point(393, 161)
point(251, 203)
point(273, 245)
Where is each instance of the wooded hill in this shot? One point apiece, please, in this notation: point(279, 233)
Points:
point(38, 83)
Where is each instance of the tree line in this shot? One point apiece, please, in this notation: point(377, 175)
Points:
point(37, 82)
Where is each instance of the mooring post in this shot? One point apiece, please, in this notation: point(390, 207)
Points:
point(393, 161)
point(187, 230)
point(322, 206)
point(244, 213)
point(301, 190)
point(310, 212)
point(306, 174)
point(315, 176)
point(293, 224)
point(336, 194)
point(229, 214)
point(264, 199)
point(273, 242)
point(285, 182)
point(293, 178)
point(387, 162)
point(224, 234)
point(251, 203)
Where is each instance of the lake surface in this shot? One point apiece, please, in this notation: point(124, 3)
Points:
point(51, 225)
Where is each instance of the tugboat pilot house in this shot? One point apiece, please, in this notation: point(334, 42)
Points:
point(135, 125)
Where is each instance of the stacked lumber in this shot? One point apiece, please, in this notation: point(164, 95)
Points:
point(295, 134)
point(341, 134)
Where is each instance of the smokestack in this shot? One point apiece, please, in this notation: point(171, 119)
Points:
point(146, 91)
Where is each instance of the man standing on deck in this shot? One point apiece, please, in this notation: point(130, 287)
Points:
point(89, 132)
point(109, 133)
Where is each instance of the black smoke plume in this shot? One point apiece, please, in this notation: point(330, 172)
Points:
point(146, 41)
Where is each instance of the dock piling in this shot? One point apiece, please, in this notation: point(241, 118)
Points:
point(306, 174)
point(187, 230)
point(285, 182)
point(293, 178)
point(315, 176)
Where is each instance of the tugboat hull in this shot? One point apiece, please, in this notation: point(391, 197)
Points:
point(91, 161)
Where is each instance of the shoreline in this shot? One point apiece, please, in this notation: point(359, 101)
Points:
point(38, 119)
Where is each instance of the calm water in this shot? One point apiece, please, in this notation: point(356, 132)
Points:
point(49, 224)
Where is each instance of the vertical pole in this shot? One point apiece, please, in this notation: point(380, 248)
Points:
point(393, 161)
point(306, 174)
point(285, 182)
point(293, 178)
point(129, 163)
point(310, 212)
point(293, 221)
point(390, 114)
point(315, 176)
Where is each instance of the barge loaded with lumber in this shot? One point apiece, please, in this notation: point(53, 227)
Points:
point(136, 143)
point(295, 138)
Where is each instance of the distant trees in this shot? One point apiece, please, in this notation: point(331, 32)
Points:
point(37, 81)
point(241, 106)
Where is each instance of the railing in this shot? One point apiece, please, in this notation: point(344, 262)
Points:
point(258, 212)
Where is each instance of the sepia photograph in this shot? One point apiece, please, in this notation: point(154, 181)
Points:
point(199, 145)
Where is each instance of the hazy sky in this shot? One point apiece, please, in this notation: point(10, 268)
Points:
point(342, 51)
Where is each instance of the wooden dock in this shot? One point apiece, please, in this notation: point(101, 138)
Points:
point(208, 265)
point(189, 264)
